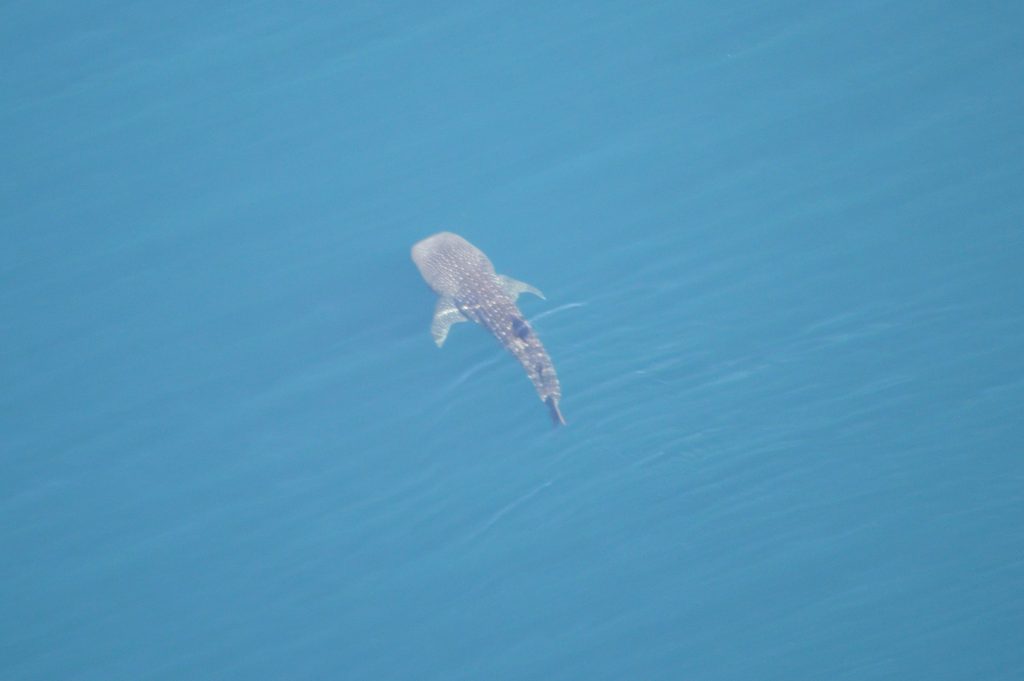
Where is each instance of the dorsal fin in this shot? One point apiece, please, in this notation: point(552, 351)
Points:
point(520, 328)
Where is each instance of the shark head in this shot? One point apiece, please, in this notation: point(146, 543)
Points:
point(444, 259)
point(423, 251)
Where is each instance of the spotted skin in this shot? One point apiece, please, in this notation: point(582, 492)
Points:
point(462, 275)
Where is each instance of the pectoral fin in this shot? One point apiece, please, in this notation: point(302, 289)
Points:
point(514, 287)
point(445, 314)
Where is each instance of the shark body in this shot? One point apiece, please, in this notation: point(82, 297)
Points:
point(469, 289)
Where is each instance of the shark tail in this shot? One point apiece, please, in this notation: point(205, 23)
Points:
point(556, 413)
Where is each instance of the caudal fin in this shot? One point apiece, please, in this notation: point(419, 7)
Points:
point(556, 414)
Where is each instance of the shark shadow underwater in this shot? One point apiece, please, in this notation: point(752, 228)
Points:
point(469, 289)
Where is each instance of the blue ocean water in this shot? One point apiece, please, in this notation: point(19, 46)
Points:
point(781, 246)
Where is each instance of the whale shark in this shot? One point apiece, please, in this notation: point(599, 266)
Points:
point(469, 289)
